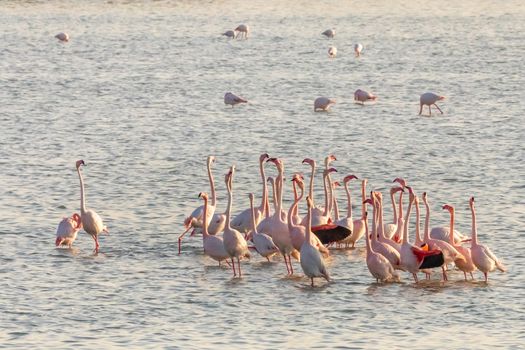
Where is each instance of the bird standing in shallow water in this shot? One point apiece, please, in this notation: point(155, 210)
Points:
point(67, 230)
point(232, 99)
point(329, 33)
point(243, 30)
point(323, 103)
point(429, 99)
point(63, 37)
point(363, 96)
point(332, 51)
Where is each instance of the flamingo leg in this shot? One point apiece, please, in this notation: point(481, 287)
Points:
point(420, 109)
point(181, 236)
point(267, 258)
point(233, 267)
point(429, 111)
point(239, 266)
point(439, 109)
point(312, 281)
point(291, 266)
point(465, 275)
point(445, 278)
point(97, 246)
point(471, 275)
point(286, 262)
point(415, 277)
point(486, 277)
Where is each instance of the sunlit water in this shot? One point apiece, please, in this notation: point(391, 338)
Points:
point(137, 93)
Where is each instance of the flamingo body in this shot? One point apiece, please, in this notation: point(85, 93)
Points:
point(358, 48)
point(363, 96)
point(67, 230)
point(64, 37)
point(232, 99)
point(229, 34)
point(329, 33)
point(332, 51)
point(429, 99)
point(243, 30)
point(323, 103)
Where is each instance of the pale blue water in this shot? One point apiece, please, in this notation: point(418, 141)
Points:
point(137, 93)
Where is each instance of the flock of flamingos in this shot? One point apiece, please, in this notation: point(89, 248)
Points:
point(309, 239)
point(270, 231)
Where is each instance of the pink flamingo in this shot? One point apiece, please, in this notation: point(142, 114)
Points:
point(264, 244)
point(311, 259)
point(323, 103)
point(429, 99)
point(232, 99)
point(359, 224)
point(67, 230)
point(317, 212)
point(213, 244)
point(358, 48)
point(234, 242)
point(363, 96)
point(332, 51)
point(390, 228)
point(482, 256)
point(91, 221)
point(329, 33)
point(243, 30)
point(466, 265)
point(63, 37)
point(377, 264)
point(348, 221)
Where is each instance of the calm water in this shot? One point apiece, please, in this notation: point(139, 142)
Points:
point(137, 93)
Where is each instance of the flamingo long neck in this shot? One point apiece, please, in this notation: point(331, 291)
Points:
point(369, 249)
point(418, 240)
point(380, 227)
point(336, 207)
point(264, 206)
point(363, 198)
point(331, 194)
point(374, 220)
point(229, 207)
point(474, 226)
point(451, 235)
point(254, 225)
point(295, 196)
point(326, 196)
point(205, 222)
point(274, 196)
point(349, 201)
point(293, 208)
point(311, 190)
point(394, 209)
point(212, 186)
point(308, 236)
point(400, 210)
point(82, 199)
point(407, 218)
point(427, 222)
point(279, 190)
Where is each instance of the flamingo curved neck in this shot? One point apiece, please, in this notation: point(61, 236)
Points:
point(381, 220)
point(427, 222)
point(212, 186)
point(474, 227)
point(418, 222)
point(229, 208)
point(336, 207)
point(348, 201)
point(254, 225)
point(394, 209)
point(205, 222)
point(407, 218)
point(451, 234)
point(311, 190)
point(264, 199)
point(326, 195)
point(363, 197)
point(82, 199)
point(279, 191)
point(400, 210)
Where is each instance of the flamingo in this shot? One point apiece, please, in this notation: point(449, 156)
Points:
point(63, 37)
point(243, 30)
point(482, 256)
point(232, 99)
point(390, 253)
point(263, 222)
point(357, 49)
point(329, 33)
point(229, 34)
point(377, 264)
point(380, 228)
point(234, 242)
point(296, 219)
point(213, 244)
point(363, 96)
point(276, 226)
point(67, 230)
point(323, 103)
point(359, 224)
point(298, 232)
point(348, 221)
point(311, 259)
point(195, 219)
point(242, 221)
point(429, 99)
point(264, 244)
point(91, 221)
point(317, 212)
point(332, 51)
point(412, 257)
point(466, 265)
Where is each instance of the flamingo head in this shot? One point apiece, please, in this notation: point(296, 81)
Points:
point(211, 160)
point(79, 163)
point(441, 98)
point(400, 181)
point(378, 195)
point(368, 201)
point(336, 184)
point(329, 159)
point(251, 198)
point(412, 195)
point(373, 97)
point(349, 177)
point(448, 207)
point(77, 220)
point(203, 195)
point(471, 202)
point(263, 157)
point(309, 161)
point(327, 172)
